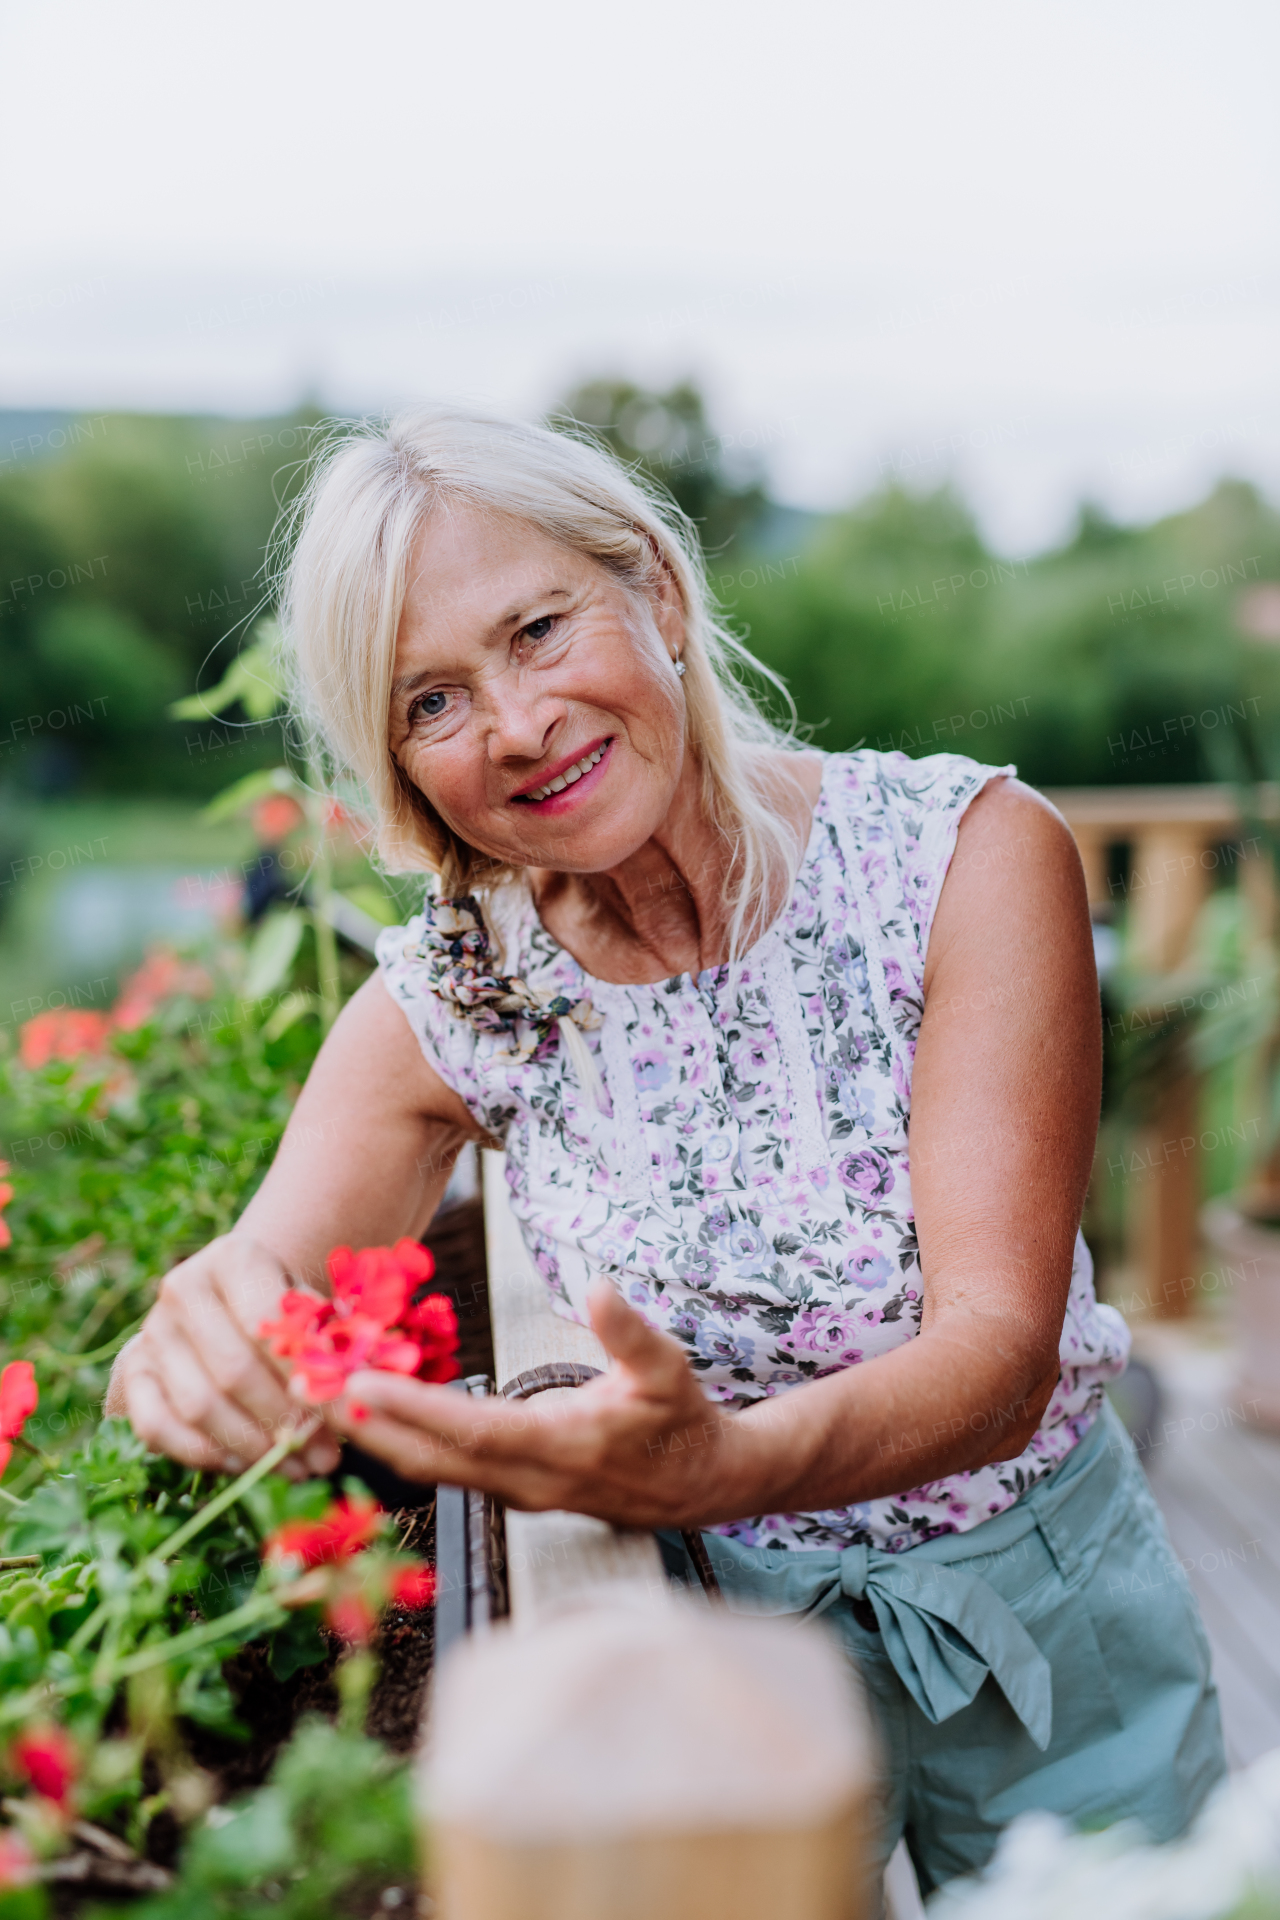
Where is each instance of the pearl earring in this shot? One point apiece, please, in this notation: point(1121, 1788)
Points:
point(679, 667)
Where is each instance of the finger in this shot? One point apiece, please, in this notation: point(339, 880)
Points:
point(414, 1454)
point(160, 1428)
point(438, 1429)
point(436, 1413)
point(321, 1455)
point(423, 1458)
point(232, 1360)
point(625, 1336)
point(188, 1385)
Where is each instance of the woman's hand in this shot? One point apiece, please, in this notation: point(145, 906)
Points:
point(641, 1446)
point(196, 1382)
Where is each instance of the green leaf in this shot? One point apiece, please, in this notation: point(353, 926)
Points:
point(255, 678)
point(291, 1008)
point(256, 1843)
point(54, 1520)
point(297, 1644)
point(24, 1903)
point(242, 793)
point(372, 900)
point(272, 951)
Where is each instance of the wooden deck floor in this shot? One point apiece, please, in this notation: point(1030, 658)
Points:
point(1217, 1479)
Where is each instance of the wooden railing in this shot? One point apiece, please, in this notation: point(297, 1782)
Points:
point(1177, 842)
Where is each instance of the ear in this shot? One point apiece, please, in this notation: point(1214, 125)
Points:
point(667, 600)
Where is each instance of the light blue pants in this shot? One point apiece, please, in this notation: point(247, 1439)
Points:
point(1052, 1657)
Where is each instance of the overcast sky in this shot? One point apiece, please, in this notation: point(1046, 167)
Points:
point(1032, 246)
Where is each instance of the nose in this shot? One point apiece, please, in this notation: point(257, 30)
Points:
point(522, 722)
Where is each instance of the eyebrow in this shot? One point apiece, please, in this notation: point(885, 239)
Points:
point(410, 682)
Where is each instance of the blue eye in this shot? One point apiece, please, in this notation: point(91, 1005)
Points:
point(431, 705)
point(539, 629)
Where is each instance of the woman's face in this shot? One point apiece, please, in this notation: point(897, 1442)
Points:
point(519, 662)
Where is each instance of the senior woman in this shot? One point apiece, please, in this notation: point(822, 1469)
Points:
point(795, 1058)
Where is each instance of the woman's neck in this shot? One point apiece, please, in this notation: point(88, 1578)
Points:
point(663, 911)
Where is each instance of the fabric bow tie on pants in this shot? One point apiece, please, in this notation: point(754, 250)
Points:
point(945, 1629)
point(943, 1626)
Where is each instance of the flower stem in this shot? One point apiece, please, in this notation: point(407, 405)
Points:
point(355, 1677)
point(46, 1460)
point(298, 1437)
point(87, 1628)
point(258, 1607)
point(68, 1362)
point(328, 978)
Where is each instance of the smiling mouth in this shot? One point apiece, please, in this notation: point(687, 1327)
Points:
point(569, 777)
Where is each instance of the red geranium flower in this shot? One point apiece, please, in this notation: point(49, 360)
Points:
point(64, 1033)
point(300, 1313)
point(161, 975)
point(368, 1322)
point(346, 1529)
point(351, 1616)
point(19, 1398)
point(49, 1759)
point(414, 1587)
point(275, 817)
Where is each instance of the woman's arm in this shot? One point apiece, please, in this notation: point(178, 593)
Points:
point(364, 1159)
point(1004, 1111)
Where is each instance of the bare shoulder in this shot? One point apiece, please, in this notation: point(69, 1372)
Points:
point(1015, 877)
point(372, 1055)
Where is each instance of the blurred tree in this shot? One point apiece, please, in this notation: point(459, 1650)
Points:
point(1119, 654)
point(130, 562)
point(128, 565)
point(669, 438)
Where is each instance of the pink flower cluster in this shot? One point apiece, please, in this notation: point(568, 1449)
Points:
point(68, 1033)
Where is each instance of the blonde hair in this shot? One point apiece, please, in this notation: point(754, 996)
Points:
point(341, 564)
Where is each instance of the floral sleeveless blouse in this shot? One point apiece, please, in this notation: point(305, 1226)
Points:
point(747, 1182)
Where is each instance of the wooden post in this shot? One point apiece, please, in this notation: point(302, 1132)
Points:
point(1167, 887)
point(1093, 843)
point(1167, 884)
point(671, 1762)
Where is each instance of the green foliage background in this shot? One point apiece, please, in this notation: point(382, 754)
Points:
point(889, 619)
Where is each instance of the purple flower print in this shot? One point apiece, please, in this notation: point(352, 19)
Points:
point(749, 1059)
point(819, 1330)
point(723, 1345)
point(651, 1071)
point(855, 1105)
point(866, 1267)
point(544, 1259)
point(868, 1173)
point(747, 1242)
point(895, 979)
point(696, 1265)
